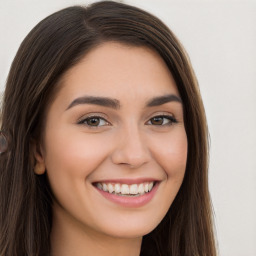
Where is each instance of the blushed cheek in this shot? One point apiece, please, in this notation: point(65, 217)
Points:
point(172, 155)
point(74, 156)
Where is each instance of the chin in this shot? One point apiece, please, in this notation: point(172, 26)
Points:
point(130, 229)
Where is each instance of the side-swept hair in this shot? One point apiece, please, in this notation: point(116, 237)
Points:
point(55, 45)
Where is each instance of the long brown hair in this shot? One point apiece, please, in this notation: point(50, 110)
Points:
point(50, 49)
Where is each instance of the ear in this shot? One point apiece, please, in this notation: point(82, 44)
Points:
point(39, 163)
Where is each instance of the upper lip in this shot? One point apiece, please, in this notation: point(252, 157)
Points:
point(127, 181)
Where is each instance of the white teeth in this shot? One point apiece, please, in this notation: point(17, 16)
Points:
point(124, 189)
point(117, 188)
point(150, 186)
point(105, 187)
point(134, 189)
point(141, 189)
point(146, 187)
point(110, 188)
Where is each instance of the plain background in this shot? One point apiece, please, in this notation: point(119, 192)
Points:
point(220, 38)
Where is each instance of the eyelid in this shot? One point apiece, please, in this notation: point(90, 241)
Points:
point(82, 120)
point(171, 117)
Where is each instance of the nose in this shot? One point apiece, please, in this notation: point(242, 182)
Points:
point(131, 149)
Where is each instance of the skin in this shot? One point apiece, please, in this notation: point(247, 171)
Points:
point(125, 143)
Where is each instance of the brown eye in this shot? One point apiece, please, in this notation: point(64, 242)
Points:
point(162, 120)
point(158, 120)
point(94, 121)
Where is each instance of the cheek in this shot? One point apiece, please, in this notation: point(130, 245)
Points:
point(73, 154)
point(172, 154)
point(70, 158)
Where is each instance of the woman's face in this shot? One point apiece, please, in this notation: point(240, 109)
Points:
point(115, 129)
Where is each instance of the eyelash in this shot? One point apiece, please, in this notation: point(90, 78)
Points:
point(85, 121)
point(170, 121)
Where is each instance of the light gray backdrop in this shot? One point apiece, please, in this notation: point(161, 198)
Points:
point(220, 37)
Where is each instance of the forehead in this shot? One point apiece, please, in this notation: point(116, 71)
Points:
point(118, 70)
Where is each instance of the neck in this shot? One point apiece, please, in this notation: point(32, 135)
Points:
point(68, 239)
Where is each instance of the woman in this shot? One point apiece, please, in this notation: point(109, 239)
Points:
point(107, 140)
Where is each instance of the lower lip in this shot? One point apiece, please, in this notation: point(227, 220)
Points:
point(130, 201)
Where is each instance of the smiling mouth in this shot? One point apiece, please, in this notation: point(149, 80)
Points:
point(131, 190)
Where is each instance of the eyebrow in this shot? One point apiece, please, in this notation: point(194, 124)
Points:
point(157, 101)
point(101, 101)
point(115, 104)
